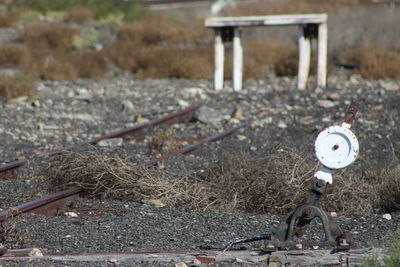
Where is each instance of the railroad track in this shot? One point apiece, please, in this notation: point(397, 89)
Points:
point(51, 204)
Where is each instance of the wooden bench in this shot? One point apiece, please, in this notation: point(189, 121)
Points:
point(228, 29)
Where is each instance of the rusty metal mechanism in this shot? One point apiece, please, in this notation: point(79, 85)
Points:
point(295, 223)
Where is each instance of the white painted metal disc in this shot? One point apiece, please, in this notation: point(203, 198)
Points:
point(336, 147)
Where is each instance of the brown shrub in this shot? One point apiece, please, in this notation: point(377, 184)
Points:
point(386, 181)
point(48, 36)
point(287, 64)
point(79, 15)
point(16, 54)
point(8, 20)
point(11, 87)
point(106, 177)
point(54, 67)
point(275, 184)
point(89, 64)
point(154, 29)
point(290, 7)
point(375, 63)
point(172, 61)
point(123, 54)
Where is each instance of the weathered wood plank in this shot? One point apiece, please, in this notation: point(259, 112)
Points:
point(237, 60)
point(219, 57)
point(272, 20)
point(322, 54)
point(304, 58)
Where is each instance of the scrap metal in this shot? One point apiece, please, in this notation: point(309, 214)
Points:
point(293, 226)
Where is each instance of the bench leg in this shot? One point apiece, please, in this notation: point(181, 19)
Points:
point(304, 58)
point(237, 60)
point(322, 54)
point(218, 61)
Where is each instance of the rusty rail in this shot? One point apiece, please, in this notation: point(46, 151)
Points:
point(134, 128)
point(191, 147)
point(49, 204)
point(39, 203)
point(164, 119)
point(12, 165)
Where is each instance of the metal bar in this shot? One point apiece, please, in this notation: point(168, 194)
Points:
point(12, 165)
point(351, 113)
point(191, 147)
point(122, 132)
point(35, 204)
point(129, 130)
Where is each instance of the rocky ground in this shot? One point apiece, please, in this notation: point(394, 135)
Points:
point(276, 113)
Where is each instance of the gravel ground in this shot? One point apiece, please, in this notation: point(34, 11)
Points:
point(277, 114)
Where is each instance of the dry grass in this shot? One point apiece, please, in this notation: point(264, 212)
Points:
point(48, 36)
point(106, 177)
point(8, 20)
point(11, 87)
point(375, 63)
point(89, 64)
point(155, 29)
point(274, 184)
point(14, 54)
point(387, 181)
point(79, 15)
point(291, 7)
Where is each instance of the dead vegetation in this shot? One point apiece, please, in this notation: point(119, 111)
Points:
point(375, 63)
point(12, 87)
point(274, 184)
point(155, 46)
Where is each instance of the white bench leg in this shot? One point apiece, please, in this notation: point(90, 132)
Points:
point(218, 61)
point(237, 60)
point(322, 54)
point(304, 58)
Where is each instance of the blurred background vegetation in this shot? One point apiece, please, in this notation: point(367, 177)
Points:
point(71, 39)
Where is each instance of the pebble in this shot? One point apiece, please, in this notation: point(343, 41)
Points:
point(111, 142)
point(387, 216)
point(325, 103)
point(127, 105)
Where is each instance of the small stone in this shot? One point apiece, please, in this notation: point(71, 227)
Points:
point(156, 203)
point(183, 103)
point(70, 214)
point(35, 104)
point(325, 103)
point(389, 85)
point(112, 260)
point(209, 115)
point(387, 216)
point(127, 105)
point(334, 96)
point(35, 252)
point(282, 125)
point(111, 142)
point(333, 214)
point(237, 113)
point(378, 107)
point(241, 137)
point(140, 119)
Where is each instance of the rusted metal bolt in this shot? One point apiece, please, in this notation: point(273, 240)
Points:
point(320, 183)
